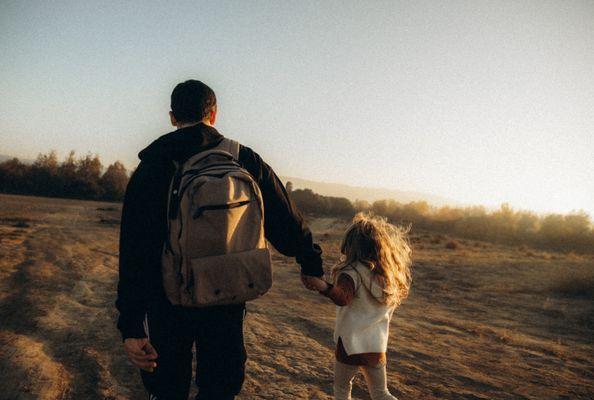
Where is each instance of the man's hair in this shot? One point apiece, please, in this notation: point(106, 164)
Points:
point(192, 101)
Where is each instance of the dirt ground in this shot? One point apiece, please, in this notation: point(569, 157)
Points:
point(482, 321)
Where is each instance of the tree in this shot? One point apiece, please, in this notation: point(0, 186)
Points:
point(311, 202)
point(47, 162)
point(361, 205)
point(88, 174)
point(12, 175)
point(114, 181)
point(43, 175)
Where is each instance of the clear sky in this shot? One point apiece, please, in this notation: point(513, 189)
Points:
point(482, 102)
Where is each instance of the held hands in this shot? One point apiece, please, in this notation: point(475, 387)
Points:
point(141, 353)
point(314, 283)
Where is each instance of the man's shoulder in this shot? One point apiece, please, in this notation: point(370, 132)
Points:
point(248, 156)
point(150, 172)
point(149, 167)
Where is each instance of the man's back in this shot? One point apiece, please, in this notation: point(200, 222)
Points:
point(144, 218)
point(159, 336)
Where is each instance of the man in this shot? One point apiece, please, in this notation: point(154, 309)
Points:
point(158, 336)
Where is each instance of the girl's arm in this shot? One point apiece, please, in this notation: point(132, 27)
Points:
point(342, 293)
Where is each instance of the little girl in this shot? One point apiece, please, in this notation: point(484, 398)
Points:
point(371, 280)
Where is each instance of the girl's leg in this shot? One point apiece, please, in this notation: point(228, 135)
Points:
point(343, 380)
point(375, 377)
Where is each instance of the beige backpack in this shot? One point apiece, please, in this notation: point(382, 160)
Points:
point(215, 252)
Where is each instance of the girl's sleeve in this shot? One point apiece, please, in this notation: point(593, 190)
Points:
point(343, 292)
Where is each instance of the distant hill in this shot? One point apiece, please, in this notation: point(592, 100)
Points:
point(364, 193)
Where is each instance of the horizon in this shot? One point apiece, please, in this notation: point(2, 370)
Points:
point(480, 103)
point(429, 198)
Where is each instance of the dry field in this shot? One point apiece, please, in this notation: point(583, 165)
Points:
point(482, 322)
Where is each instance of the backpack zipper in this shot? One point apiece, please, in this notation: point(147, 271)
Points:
point(228, 206)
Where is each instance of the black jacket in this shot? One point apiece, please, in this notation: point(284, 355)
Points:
point(144, 223)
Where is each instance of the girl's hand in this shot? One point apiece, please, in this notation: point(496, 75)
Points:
point(318, 284)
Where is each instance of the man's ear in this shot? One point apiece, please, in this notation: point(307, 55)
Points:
point(212, 116)
point(172, 118)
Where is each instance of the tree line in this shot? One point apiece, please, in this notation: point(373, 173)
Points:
point(561, 232)
point(76, 178)
point(86, 178)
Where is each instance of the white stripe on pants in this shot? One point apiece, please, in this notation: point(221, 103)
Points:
point(375, 377)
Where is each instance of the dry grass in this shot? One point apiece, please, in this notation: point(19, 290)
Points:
point(452, 244)
point(574, 283)
point(487, 322)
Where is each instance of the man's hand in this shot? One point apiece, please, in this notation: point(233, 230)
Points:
point(141, 353)
point(314, 283)
point(318, 284)
point(305, 279)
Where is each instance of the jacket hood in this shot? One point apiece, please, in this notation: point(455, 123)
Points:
point(368, 280)
point(181, 144)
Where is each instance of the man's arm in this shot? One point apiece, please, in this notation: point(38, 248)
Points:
point(284, 225)
point(131, 302)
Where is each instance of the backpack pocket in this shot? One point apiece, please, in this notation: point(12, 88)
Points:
point(230, 278)
point(228, 206)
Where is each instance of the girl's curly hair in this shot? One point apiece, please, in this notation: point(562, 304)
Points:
point(384, 249)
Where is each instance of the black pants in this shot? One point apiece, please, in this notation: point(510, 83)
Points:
point(220, 352)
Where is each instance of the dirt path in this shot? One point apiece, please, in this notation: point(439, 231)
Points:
point(57, 332)
point(472, 328)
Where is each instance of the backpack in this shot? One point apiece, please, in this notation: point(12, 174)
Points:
point(215, 251)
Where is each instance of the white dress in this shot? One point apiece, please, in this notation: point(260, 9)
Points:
point(363, 324)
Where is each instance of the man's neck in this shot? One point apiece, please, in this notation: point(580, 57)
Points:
point(187, 124)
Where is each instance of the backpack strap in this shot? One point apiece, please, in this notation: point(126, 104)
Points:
point(230, 146)
point(225, 147)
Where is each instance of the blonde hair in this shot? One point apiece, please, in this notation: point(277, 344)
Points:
point(384, 249)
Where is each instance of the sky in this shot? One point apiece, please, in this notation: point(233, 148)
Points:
point(482, 102)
